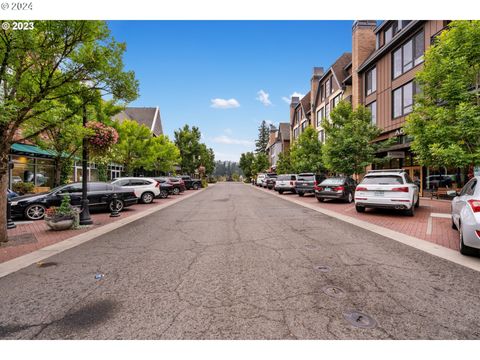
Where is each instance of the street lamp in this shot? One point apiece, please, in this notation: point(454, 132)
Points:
point(85, 218)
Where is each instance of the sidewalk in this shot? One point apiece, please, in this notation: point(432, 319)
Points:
point(29, 236)
point(431, 221)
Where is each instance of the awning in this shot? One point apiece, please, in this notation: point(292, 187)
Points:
point(25, 149)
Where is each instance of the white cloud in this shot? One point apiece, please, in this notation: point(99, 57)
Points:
point(224, 139)
point(289, 99)
point(263, 97)
point(224, 103)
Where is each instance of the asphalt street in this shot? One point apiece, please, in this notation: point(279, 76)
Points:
point(236, 263)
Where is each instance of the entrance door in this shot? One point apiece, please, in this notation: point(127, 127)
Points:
point(415, 173)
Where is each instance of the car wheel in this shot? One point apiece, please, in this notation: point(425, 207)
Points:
point(320, 199)
point(349, 198)
point(35, 212)
point(360, 209)
point(195, 186)
point(417, 204)
point(280, 192)
point(300, 193)
point(464, 249)
point(176, 191)
point(411, 211)
point(147, 197)
point(119, 205)
point(454, 227)
point(163, 194)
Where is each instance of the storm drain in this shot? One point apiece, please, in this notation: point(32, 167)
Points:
point(46, 264)
point(334, 291)
point(323, 268)
point(359, 319)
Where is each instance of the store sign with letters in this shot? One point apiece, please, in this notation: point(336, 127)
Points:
point(396, 154)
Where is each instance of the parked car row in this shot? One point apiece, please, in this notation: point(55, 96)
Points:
point(129, 191)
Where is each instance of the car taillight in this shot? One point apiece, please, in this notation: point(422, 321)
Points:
point(475, 205)
point(291, 183)
point(478, 232)
point(361, 188)
point(401, 189)
point(339, 188)
point(157, 184)
point(315, 183)
point(319, 188)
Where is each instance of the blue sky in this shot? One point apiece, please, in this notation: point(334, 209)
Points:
point(227, 76)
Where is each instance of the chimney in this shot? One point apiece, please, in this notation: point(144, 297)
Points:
point(317, 74)
point(293, 104)
point(363, 45)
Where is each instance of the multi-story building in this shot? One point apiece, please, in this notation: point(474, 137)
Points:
point(300, 115)
point(279, 142)
point(385, 60)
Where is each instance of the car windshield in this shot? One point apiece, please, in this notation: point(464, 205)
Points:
point(306, 177)
point(332, 181)
point(383, 179)
point(284, 178)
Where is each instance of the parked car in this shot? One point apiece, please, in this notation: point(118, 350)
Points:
point(178, 185)
point(270, 181)
point(146, 189)
point(306, 183)
point(286, 182)
point(99, 195)
point(264, 180)
point(436, 181)
point(190, 183)
point(342, 188)
point(390, 189)
point(466, 216)
point(166, 188)
point(11, 194)
point(260, 178)
point(16, 179)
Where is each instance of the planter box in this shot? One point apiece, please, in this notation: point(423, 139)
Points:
point(60, 224)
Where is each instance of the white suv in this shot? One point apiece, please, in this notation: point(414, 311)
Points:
point(260, 178)
point(146, 189)
point(389, 189)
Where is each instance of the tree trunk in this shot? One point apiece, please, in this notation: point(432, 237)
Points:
point(3, 193)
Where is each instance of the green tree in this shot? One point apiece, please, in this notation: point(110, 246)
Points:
point(161, 155)
point(445, 122)
point(284, 163)
point(260, 163)
point(247, 164)
point(306, 152)
point(207, 159)
point(40, 67)
point(263, 137)
point(188, 142)
point(133, 145)
point(349, 134)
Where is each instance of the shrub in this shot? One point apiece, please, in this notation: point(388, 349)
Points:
point(23, 188)
point(204, 183)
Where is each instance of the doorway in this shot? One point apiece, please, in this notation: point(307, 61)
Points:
point(415, 173)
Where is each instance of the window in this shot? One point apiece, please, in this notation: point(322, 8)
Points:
point(371, 81)
point(403, 99)
point(321, 135)
point(322, 91)
point(304, 125)
point(410, 54)
point(336, 100)
point(327, 87)
point(327, 112)
point(299, 114)
point(373, 111)
point(377, 41)
point(331, 84)
point(388, 34)
point(320, 116)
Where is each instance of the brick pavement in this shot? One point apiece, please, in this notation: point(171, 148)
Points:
point(440, 231)
point(31, 236)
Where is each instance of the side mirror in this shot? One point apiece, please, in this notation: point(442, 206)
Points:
point(452, 193)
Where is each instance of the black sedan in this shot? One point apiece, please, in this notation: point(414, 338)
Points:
point(32, 207)
point(306, 183)
point(341, 188)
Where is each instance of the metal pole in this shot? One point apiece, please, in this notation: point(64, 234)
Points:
point(85, 218)
point(10, 223)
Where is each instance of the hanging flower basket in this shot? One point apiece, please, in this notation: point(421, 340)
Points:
point(103, 137)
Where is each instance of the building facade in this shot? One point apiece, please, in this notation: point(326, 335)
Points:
point(279, 142)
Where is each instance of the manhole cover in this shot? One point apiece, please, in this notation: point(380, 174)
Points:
point(46, 264)
point(334, 291)
point(323, 268)
point(359, 319)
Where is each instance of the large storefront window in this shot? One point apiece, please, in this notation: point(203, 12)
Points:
point(41, 172)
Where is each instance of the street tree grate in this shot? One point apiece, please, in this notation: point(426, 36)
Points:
point(334, 291)
point(323, 268)
point(359, 319)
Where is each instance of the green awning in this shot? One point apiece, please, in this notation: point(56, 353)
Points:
point(31, 150)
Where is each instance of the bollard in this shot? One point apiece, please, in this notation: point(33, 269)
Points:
point(10, 223)
point(114, 212)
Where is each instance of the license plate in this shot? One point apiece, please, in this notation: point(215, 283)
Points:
point(328, 189)
point(379, 193)
point(305, 184)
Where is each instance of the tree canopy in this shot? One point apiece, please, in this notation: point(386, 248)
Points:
point(445, 122)
point(306, 152)
point(247, 164)
point(263, 137)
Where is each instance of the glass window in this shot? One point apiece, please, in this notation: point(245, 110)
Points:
point(407, 56)
point(403, 99)
point(397, 103)
point(371, 81)
point(397, 63)
point(320, 115)
point(327, 87)
point(336, 101)
point(388, 34)
point(327, 112)
point(419, 49)
point(96, 187)
point(321, 135)
point(408, 98)
point(382, 179)
point(373, 111)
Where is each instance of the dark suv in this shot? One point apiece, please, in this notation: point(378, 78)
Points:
point(190, 183)
point(342, 188)
point(270, 181)
point(306, 183)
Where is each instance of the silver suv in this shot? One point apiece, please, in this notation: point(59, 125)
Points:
point(286, 182)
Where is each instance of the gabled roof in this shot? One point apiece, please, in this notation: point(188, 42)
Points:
point(148, 116)
point(305, 101)
point(284, 131)
point(338, 71)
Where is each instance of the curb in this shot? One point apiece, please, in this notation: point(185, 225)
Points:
point(419, 244)
point(23, 261)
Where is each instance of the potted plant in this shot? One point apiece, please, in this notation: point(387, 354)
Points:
point(62, 218)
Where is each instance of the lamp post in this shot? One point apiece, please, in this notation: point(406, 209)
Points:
point(85, 218)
